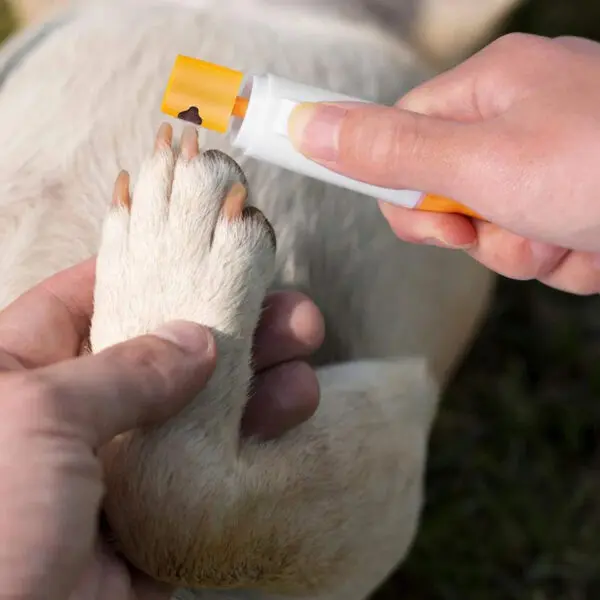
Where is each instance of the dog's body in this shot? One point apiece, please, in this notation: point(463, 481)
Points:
point(329, 510)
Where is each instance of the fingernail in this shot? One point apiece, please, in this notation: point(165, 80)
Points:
point(190, 337)
point(444, 244)
point(314, 129)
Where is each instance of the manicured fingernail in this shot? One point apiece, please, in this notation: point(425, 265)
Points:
point(445, 244)
point(190, 337)
point(314, 129)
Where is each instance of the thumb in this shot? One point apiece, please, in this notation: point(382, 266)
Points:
point(388, 146)
point(138, 382)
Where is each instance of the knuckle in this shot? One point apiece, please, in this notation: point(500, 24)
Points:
point(577, 275)
point(36, 387)
point(509, 257)
point(369, 136)
point(402, 133)
point(413, 227)
point(149, 358)
point(294, 316)
point(516, 58)
point(521, 263)
point(27, 395)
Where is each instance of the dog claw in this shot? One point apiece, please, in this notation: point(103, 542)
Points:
point(189, 142)
point(121, 196)
point(234, 202)
point(164, 137)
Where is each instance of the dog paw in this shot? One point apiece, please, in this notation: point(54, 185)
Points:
point(184, 245)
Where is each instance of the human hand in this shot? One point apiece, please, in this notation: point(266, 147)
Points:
point(57, 410)
point(513, 133)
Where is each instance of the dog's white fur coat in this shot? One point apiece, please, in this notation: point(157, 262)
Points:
point(332, 507)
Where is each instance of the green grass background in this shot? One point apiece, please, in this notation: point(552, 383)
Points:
point(513, 490)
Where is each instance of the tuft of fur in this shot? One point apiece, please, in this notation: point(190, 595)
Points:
point(328, 510)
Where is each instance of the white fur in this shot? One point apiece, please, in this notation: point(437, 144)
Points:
point(332, 507)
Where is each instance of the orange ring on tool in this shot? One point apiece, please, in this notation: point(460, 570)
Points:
point(439, 204)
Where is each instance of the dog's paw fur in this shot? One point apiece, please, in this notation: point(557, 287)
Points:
point(184, 246)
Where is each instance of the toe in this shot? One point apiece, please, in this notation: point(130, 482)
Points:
point(251, 212)
point(164, 137)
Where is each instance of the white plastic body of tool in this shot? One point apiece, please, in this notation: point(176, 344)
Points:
point(263, 134)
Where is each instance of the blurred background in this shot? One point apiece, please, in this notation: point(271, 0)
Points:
point(513, 500)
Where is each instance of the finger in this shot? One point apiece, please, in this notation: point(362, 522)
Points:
point(110, 578)
point(50, 322)
point(514, 256)
point(578, 44)
point(389, 147)
point(578, 273)
point(283, 398)
point(452, 95)
point(135, 383)
point(290, 327)
point(444, 230)
point(520, 258)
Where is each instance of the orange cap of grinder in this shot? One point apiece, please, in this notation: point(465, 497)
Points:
point(206, 95)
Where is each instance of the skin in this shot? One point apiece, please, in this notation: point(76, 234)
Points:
point(513, 133)
point(59, 407)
